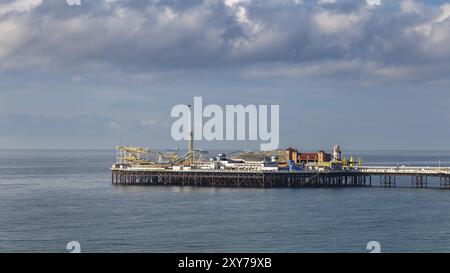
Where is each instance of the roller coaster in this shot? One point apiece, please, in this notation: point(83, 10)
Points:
point(145, 156)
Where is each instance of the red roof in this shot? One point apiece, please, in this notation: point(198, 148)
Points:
point(308, 156)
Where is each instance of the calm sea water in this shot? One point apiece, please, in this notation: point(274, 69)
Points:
point(51, 197)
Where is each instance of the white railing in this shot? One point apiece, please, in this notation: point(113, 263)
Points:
point(403, 170)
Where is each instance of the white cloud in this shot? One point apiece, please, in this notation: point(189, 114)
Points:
point(444, 13)
point(19, 6)
point(232, 3)
point(321, 2)
point(329, 22)
point(16, 36)
point(373, 2)
point(434, 29)
point(410, 6)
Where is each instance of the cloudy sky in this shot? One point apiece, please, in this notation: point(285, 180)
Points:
point(371, 74)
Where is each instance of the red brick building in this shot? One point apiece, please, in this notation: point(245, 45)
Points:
point(320, 156)
point(292, 154)
point(308, 157)
point(298, 158)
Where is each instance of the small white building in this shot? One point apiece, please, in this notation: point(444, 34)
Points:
point(252, 161)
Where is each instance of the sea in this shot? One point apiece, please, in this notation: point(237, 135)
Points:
point(51, 199)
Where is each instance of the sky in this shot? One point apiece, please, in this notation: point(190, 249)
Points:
point(364, 74)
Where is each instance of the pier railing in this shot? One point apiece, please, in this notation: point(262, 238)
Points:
point(403, 170)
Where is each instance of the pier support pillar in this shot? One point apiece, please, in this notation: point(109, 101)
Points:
point(444, 182)
point(387, 181)
point(419, 181)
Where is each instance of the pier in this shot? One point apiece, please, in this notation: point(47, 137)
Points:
point(363, 176)
point(276, 169)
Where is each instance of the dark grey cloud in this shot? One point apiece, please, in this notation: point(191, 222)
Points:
point(398, 41)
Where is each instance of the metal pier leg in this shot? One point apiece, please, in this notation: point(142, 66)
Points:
point(418, 181)
point(387, 181)
point(444, 182)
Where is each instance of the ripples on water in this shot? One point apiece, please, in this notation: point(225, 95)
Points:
point(48, 198)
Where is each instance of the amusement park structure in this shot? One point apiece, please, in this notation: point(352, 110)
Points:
point(281, 159)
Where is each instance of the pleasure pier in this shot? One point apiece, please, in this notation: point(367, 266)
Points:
point(274, 169)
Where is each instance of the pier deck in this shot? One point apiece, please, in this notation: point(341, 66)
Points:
point(239, 178)
point(357, 177)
